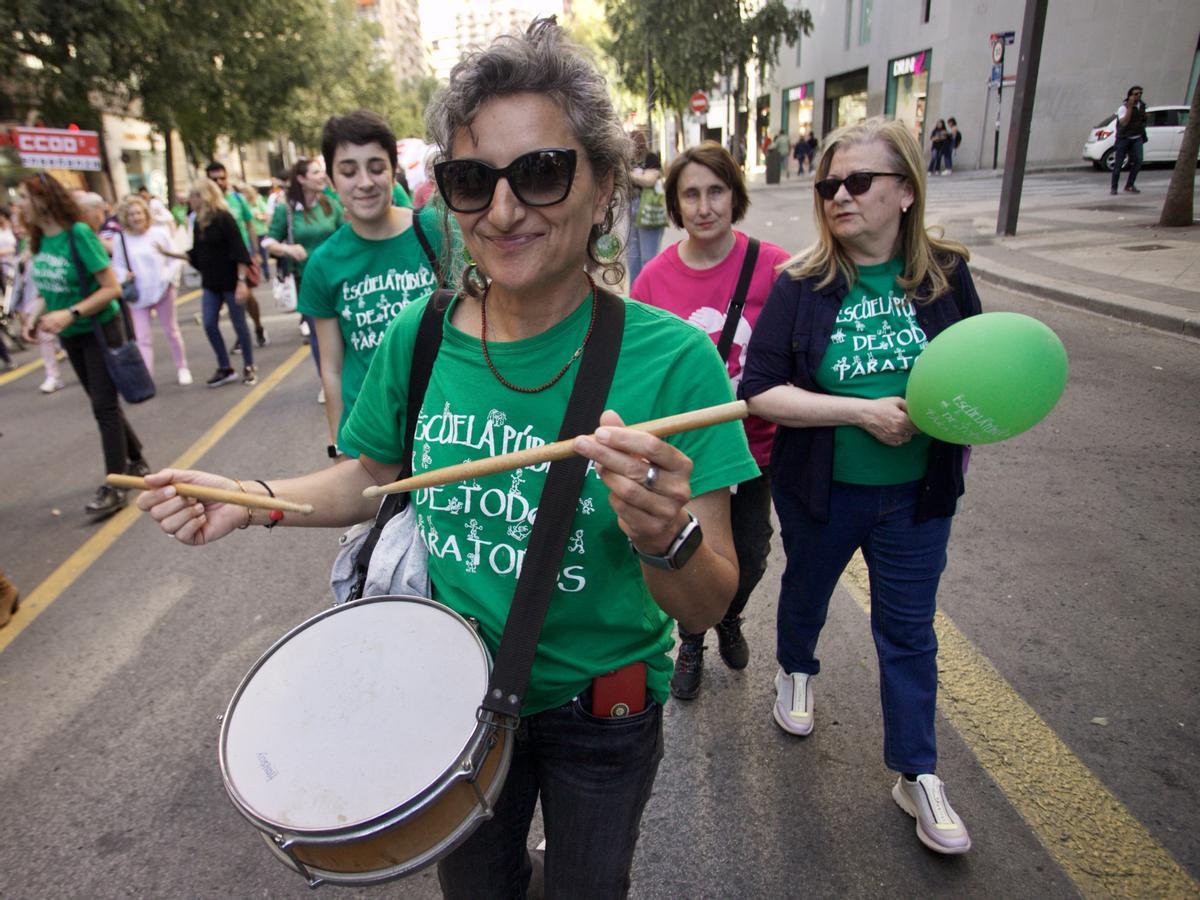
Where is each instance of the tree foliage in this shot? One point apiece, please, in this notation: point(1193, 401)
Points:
point(221, 67)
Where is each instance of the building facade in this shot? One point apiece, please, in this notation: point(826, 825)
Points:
point(453, 27)
point(399, 42)
point(923, 60)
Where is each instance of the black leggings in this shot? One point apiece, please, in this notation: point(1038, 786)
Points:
point(120, 443)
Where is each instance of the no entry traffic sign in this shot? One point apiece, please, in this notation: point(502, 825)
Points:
point(699, 102)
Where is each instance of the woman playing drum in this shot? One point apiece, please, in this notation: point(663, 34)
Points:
point(535, 165)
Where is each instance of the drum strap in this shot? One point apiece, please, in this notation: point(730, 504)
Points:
point(556, 512)
point(425, 351)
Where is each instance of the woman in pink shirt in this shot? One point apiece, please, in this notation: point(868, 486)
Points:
point(698, 279)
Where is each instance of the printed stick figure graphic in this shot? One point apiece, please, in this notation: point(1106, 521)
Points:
point(586, 506)
point(841, 367)
point(576, 542)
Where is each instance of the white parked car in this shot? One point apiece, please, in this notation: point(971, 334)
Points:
point(1164, 131)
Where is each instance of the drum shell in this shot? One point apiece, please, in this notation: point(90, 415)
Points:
point(406, 838)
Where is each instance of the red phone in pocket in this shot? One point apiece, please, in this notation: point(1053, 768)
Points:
point(620, 693)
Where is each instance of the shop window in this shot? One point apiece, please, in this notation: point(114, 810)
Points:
point(866, 13)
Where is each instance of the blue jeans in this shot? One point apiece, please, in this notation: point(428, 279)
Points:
point(905, 559)
point(1133, 149)
point(210, 309)
point(643, 247)
point(594, 776)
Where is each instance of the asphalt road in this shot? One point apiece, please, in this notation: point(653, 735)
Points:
point(1070, 571)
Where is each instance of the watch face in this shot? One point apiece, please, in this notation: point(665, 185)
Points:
point(691, 543)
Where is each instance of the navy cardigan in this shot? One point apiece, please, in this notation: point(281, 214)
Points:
point(788, 344)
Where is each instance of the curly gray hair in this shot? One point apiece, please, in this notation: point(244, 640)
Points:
point(541, 61)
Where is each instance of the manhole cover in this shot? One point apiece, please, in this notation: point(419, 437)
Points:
point(1141, 248)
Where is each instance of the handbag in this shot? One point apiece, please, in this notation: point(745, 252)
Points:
point(125, 365)
point(129, 288)
point(283, 285)
point(652, 208)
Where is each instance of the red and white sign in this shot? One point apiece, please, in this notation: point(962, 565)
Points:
point(57, 148)
point(699, 102)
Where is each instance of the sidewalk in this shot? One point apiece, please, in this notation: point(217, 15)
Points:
point(1075, 243)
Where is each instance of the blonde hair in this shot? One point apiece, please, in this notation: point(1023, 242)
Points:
point(929, 258)
point(212, 201)
point(127, 204)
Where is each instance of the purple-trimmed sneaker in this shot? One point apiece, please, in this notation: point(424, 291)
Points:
point(938, 825)
point(794, 702)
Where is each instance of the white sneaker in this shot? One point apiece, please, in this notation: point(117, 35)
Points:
point(305, 331)
point(51, 384)
point(938, 826)
point(794, 702)
point(321, 395)
point(185, 376)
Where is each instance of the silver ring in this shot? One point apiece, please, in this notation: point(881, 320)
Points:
point(651, 477)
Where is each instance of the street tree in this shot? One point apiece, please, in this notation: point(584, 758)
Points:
point(1177, 209)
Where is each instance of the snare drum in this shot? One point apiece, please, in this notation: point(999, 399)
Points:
point(353, 744)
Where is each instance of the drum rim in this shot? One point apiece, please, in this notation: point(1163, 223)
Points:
point(364, 827)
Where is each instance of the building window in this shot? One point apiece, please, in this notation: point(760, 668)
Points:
point(925, 10)
point(849, 22)
point(865, 15)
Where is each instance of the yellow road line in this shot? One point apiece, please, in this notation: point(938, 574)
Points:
point(37, 601)
point(1089, 832)
point(22, 371)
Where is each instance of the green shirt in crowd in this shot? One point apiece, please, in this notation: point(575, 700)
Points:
point(364, 285)
point(310, 228)
point(400, 196)
point(240, 209)
point(57, 279)
point(601, 615)
point(874, 343)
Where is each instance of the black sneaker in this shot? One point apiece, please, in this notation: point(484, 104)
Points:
point(250, 375)
point(261, 338)
point(108, 501)
point(138, 467)
point(689, 666)
point(731, 643)
point(222, 376)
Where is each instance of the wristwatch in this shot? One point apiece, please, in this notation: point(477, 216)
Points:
point(75, 314)
point(685, 545)
point(332, 451)
point(243, 279)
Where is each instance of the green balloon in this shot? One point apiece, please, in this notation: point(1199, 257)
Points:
point(986, 379)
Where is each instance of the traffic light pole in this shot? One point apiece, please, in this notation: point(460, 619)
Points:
point(1032, 30)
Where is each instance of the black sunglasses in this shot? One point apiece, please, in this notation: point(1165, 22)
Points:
point(538, 178)
point(856, 183)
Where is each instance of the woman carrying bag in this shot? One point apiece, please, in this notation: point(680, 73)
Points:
point(648, 211)
point(79, 290)
point(137, 262)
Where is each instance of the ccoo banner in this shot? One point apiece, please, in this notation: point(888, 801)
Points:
point(58, 148)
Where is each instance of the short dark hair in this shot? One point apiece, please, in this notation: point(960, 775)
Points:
point(1128, 93)
point(214, 166)
point(717, 160)
point(359, 127)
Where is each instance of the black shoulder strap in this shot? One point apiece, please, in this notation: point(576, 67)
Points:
point(425, 351)
point(738, 303)
point(425, 245)
point(125, 253)
point(556, 512)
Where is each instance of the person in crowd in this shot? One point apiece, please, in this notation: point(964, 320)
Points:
point(937, 146)
point(239, 208)
point(159, 214)
point(10, 599)
point(535, 170)
point(783, 148)
point(98, 217)
point(950, 145)
point(28, 303)
point(8, 269)
point(695, 279)
point(366, 273)
point(136, 258)
point(644, 239)
point(304, 221)
point(829, 362)
point(258, 205)
point(76, 283)
point(1131, 139)
point(801, 152)
point(221, 257)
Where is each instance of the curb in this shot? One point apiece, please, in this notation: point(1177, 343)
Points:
point(1159, 316)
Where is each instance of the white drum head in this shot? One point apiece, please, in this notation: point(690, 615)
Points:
point(354, 715)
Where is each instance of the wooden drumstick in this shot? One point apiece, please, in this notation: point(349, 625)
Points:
point(201, 492)
point(688, 421)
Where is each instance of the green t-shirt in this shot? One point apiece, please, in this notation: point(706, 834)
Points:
point(601, 615)
point(875, 340)
point(364, 285)
point(309, 229)
point(400, 196)
point(239, 208)
point(57, 279)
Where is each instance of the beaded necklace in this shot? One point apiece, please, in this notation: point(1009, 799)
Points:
point(561, 372)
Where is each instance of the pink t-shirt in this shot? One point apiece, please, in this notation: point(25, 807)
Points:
point(701, 296)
